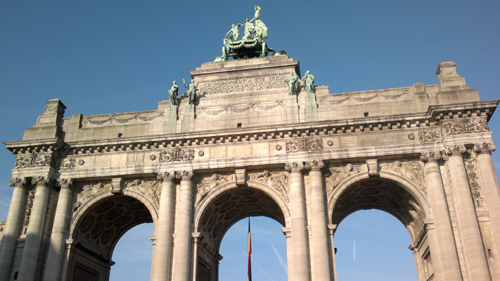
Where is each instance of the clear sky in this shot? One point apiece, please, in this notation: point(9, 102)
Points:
point(102, 57)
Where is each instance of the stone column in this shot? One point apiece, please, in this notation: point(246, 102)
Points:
point(490, 185)
point(469, 226)
point(331, 232)
point(447, 267)
point(300, 238)
point(32, 243)
point(163, 253)
point(322, 268)
point(12, 226)
point(196, 240)
point(183, 229)
point(289, 261)
point(59, 232)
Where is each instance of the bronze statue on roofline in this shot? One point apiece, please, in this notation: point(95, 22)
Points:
point(252, 43)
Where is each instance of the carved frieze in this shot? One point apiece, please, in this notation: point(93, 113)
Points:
point(33, 160)
point(429, 135)
point(413, 171)
point(89, 190)
point(243, 85)
point(176, 154)
point(339, 174)
point(304, 144)
point(206, 184)
point(464, 126)
point(474, 182)
point(68, 164)
point(276, 180)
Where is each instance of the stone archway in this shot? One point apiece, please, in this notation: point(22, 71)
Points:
point(221, 209)
point(96, 230)
point(395, 195)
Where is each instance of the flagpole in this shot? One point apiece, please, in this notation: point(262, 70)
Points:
point(249, 252)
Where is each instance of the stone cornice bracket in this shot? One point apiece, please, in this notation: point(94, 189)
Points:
point(372, 165)
point(315, 165)
point(430, 156)
point(453, 150)
point(166, 176)
point(17, 182)
point(240, 176)
point(117, 185)
point(40, 180)
point(294, 167)
point(65, 183)
point(485, 147)
point(185, 175)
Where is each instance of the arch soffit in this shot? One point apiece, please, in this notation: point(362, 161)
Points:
point(404, 183)
point(100, 196)
point(269, 191)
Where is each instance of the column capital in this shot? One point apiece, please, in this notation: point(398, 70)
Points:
point(166, 176)
point(454, 150)
point(315, 165)
point(185, 175)
point(294, 167)
point(430, 156)
point(484, 147)
point(40, 181)
point(65, 183)
point(17, 182)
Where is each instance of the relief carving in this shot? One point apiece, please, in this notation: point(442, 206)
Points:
point(176, 154)
point(472, 175)
point(148, 188)
point(121, 119)
point(465, 126)
point(339, 174)
point(360, 98)
point(277, 180)
point(88, 191)
point(413, 171)
point(238, 109)
point(242, 85)
point(68, 164)
point(429, 135)
point(207, 184)
point(27, 213)
point(33, 160)
point(304, 144)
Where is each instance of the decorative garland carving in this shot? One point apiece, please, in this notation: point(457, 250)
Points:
point(101, 120)
point(176, 154)
point(27, 213)
point(242, 85)
point(207, 184)
point(339, 174)
point(355, 98)
point(465, 126)
point(88, 191)
point(413, 171)
point(304, 144)
point(33, 160)
point(429, 135)
point(277, 180)
point(238, 109)
point(475, 186)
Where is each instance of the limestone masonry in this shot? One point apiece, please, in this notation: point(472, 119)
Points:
point(249, 145)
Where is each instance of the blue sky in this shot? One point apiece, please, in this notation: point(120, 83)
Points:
point(115, 56)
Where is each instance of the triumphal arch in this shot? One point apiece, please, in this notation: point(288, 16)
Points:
point(252, 138)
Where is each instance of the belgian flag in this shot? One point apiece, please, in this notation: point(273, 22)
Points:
point(249, 252)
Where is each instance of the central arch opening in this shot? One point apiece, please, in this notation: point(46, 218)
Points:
point(222, 212)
